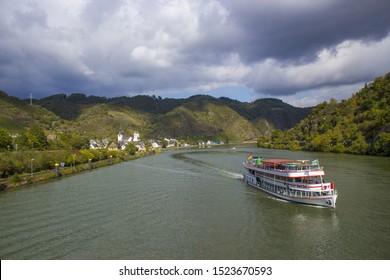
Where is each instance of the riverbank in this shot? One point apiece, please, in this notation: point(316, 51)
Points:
point(70, 163)
point(25, 179)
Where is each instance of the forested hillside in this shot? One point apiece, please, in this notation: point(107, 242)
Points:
point(277, 113)
point(199, 116)
point(359, 125)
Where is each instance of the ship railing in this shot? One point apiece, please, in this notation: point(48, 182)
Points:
point(308, 186)
point(300, 169)
point(286, 170)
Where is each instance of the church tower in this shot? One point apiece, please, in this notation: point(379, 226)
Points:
point(136, 136)
point(120, 136)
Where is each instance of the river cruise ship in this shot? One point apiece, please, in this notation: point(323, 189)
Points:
point(300, 181)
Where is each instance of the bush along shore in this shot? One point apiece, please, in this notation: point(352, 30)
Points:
point(25, 168)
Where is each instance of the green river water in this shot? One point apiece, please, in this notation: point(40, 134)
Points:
point(192, 204)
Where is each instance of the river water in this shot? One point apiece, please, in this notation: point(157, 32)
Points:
point(192, 204)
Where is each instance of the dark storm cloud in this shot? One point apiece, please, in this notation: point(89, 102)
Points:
point(293, 30)
point(277, 47)
point(279, 37)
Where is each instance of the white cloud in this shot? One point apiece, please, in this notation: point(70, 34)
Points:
point(158, 57)
point(345, 64)
point(313, 97)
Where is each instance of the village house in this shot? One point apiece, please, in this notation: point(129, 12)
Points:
point(140, 146)
point(156, 144)
point(201, 143)
point(98, 144)
point(113, 146)
point(93, 144)
point(172, 143)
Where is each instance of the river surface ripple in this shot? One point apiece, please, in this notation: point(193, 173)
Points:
point(192, 204)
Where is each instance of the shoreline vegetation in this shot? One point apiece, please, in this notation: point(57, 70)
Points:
point(36, 172)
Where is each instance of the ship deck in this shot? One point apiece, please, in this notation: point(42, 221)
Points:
point(286, 168)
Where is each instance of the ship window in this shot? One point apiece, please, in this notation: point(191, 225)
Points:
point(291, 166)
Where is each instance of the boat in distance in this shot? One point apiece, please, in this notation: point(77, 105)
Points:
point(300, 181)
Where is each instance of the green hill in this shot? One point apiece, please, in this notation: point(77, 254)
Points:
point(205, 119)
point(155, 116)
point(359, 125)
point(17, 115)
point(105, 121)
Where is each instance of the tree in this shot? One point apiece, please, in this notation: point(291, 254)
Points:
point(359, 146)
point(131, 148)
point(76, 141)
point(382, 145)
point(148, 145)
point(34, 138)
point(5, 139)
point(41, 137)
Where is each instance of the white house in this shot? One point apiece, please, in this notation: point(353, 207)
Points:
point(155, 144)
point(140, 146)
point(93, 144)
point(98, 144)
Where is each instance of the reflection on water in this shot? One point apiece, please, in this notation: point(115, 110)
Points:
point(193, 205)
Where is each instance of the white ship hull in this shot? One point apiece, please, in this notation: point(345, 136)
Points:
point(312, 195)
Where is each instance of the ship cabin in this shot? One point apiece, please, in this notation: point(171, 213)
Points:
point(287, 167)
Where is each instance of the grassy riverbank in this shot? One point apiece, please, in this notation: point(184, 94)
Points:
point(39, 174)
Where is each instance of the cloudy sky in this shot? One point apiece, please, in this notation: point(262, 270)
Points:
point(300, 51)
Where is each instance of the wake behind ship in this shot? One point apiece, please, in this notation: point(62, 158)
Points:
point(298, 181)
